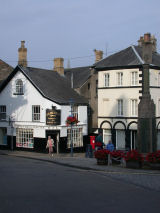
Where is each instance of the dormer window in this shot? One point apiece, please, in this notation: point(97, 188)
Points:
point(19, 87)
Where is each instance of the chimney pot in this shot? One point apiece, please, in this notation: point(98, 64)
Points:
point(98, 55)
point(58, 65)
point(22, 55)
point(147, 37)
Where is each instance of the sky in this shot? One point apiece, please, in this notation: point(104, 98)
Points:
point(72, 29)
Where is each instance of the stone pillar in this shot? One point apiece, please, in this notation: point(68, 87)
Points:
point(147, 135)
point(98, 55)
point(22, 55)
point(58, 65)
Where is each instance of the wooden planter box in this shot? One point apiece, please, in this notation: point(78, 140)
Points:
point(102, 161)
point(133, 164)
point(155, 166)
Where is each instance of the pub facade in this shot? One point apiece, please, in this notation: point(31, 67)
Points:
point(34, 104)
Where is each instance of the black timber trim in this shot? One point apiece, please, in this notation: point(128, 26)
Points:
point(117, 122)
point(117, 67)
point(152, 66)
point(132, 122)
point(121, 87)
point(118, 117)
point(105, 122)
point(154, 87)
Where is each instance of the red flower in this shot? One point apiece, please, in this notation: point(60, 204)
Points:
point(71, 120)
point(101, 154)
point(153, 157)
point(133, 155)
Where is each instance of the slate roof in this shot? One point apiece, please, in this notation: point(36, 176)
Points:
point(80, 75)
point(5, 70)
point(127, 57)
point(50, 84)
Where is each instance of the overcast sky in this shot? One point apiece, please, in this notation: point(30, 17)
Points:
point(72, 29)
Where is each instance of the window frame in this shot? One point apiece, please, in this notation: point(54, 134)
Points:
point(24, 138)
point(119, 79)
point(19, 87)
point(120, 107)
point(74, 109)
point(134, 78)
point(106, 80)
point(134, 107)
point(158, 79)
point(36, 116)
point(3, 114)
point(77, 137)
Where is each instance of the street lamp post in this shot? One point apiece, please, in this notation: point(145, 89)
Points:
point(71, 104)
point(11, 124)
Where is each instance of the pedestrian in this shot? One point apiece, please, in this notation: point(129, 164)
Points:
point(50, 144)
point(99, 142)
point(110, 146)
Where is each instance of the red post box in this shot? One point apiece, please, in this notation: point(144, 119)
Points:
point(92, 142)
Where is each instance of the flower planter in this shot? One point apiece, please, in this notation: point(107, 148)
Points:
point(133, 164)
point(102, 161)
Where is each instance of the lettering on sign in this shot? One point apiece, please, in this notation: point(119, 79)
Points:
point(53, 117)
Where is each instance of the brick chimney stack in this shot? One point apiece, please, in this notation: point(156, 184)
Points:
point(98, 55)
point(58, 65)
point(148, 38)
point(147, 48)
point(22, 55)
point(154, 43)
point(140, 41)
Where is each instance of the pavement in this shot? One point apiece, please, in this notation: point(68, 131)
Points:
point(148, 179)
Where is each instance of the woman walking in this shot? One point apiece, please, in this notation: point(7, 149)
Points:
point(49, 145)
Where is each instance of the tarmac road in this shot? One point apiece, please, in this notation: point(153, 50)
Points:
point(28, 185)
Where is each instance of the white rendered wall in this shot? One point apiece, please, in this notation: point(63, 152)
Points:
point(19, 107)
point(107, 98)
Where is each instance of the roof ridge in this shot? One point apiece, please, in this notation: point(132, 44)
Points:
point(136, 53)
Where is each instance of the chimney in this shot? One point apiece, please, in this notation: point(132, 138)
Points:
point(140, 41)
point(98, 55)
point(147, 49)
point(58, 65)
point(154, 43)
point(22, 55)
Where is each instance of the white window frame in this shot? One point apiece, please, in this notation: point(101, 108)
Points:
point(119, 79)
point(159, 79)
point(158, 107)
point(2, 112)
point(77, 137)
point(134, 107)
point(106, 79)
point(75, 111)
point(107, 134)
point(120, 107)
point(24, 138)
point(19, 87)
point(36, 113)
point(134, 78)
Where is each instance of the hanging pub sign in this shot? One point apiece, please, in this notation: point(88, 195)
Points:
point(53, 116)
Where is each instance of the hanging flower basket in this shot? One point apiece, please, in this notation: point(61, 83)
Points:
point(71, 120)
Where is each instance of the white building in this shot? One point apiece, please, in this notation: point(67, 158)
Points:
point(27, 97)
point(119, 91)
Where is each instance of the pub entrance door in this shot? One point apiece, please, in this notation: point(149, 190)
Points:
point(54, 135)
